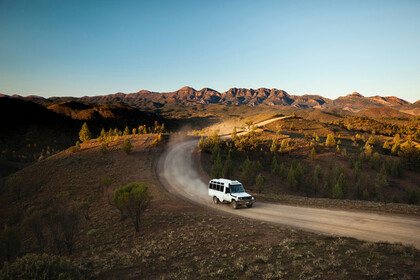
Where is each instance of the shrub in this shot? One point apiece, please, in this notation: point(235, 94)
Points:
point(132, 199)
point(103, 148)
point(248, 172)
point(282, 171)
point(32, 266)
point(34, 222)
point(93, 232)
point(312, 153)
point(126, 146)
point(76, 147)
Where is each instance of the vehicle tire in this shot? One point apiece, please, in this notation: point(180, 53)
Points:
point(216, 200)
point(234, 204)
point(249, 205)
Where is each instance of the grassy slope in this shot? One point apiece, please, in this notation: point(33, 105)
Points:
point(178, 240)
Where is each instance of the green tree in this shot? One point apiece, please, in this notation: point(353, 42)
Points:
point(282, 171)
point(248, 172)
point(126, 146)
point(85, 134)
point(126, 131)
point(273, 147)
point(76, 147)
point(274, 166)
point(312, 154)
point(337, 191)
point(133, 199)
point(371, 141)
point(9, 244)
point(217, 168)
point(291, 180)
point(330, 141)
point(260, 183)
point(227, 171)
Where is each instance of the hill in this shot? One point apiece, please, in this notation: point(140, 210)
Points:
point(32, 130)
point(383, 112)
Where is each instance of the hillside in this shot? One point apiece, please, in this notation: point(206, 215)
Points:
point(383, 112)
point(176, 238)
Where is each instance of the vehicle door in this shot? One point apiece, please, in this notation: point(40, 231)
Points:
point(226, 195)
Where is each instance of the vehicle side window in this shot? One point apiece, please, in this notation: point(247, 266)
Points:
point(218, 188)
point(227, 190)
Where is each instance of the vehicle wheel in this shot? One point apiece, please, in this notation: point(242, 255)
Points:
point(216, 200)
point(249, 205)
point(234, 204)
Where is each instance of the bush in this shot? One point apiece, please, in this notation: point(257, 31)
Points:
point(132, 199)
point(217, 168)
point(330, 141)
point(228, 167)
point(32, 266)
point(93, 232)
point(126, 146)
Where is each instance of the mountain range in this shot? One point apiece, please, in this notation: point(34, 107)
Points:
point(236, 96)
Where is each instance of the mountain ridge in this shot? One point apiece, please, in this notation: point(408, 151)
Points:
point(353, 102)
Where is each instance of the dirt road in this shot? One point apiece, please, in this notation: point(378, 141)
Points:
point(179, 176)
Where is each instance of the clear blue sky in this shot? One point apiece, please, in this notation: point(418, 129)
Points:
point(331, 48)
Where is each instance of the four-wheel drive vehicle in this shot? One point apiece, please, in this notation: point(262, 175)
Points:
point(224, 190)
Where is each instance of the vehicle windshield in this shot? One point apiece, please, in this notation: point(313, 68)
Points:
point(236, 189)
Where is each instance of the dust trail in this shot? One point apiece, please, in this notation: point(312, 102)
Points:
point(183, 175)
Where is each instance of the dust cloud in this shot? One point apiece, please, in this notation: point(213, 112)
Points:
point(179, 169)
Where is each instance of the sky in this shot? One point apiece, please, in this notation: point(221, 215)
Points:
point(330, 48)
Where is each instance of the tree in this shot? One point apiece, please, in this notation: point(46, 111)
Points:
point(291, 180)
point(274, 166)
point(106, 184)
point(85, 134)
point(217, 168)
point(294, 115)
point(133, 199)
point(126, 131)
point(330, 141)
point(282, 171)
point(273, 147)
point(371, 141)
point(34, 222)
point(102, 135)
point(386, 146)
point(234, 135)
point(9, 244)
point(201, 143)
point(84, 207)
point(248, 173)
point(15, 184)
point(260, 183)
point(52, 219)
point(337, 191)
point(76, 147)
point(68, 216)
point(227, 171)
point(312, 154)
point(126, 146)
point(340, 189)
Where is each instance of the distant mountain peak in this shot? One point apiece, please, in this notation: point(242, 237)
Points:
point(355, 94)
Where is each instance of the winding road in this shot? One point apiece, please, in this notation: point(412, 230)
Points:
point(176, 171)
